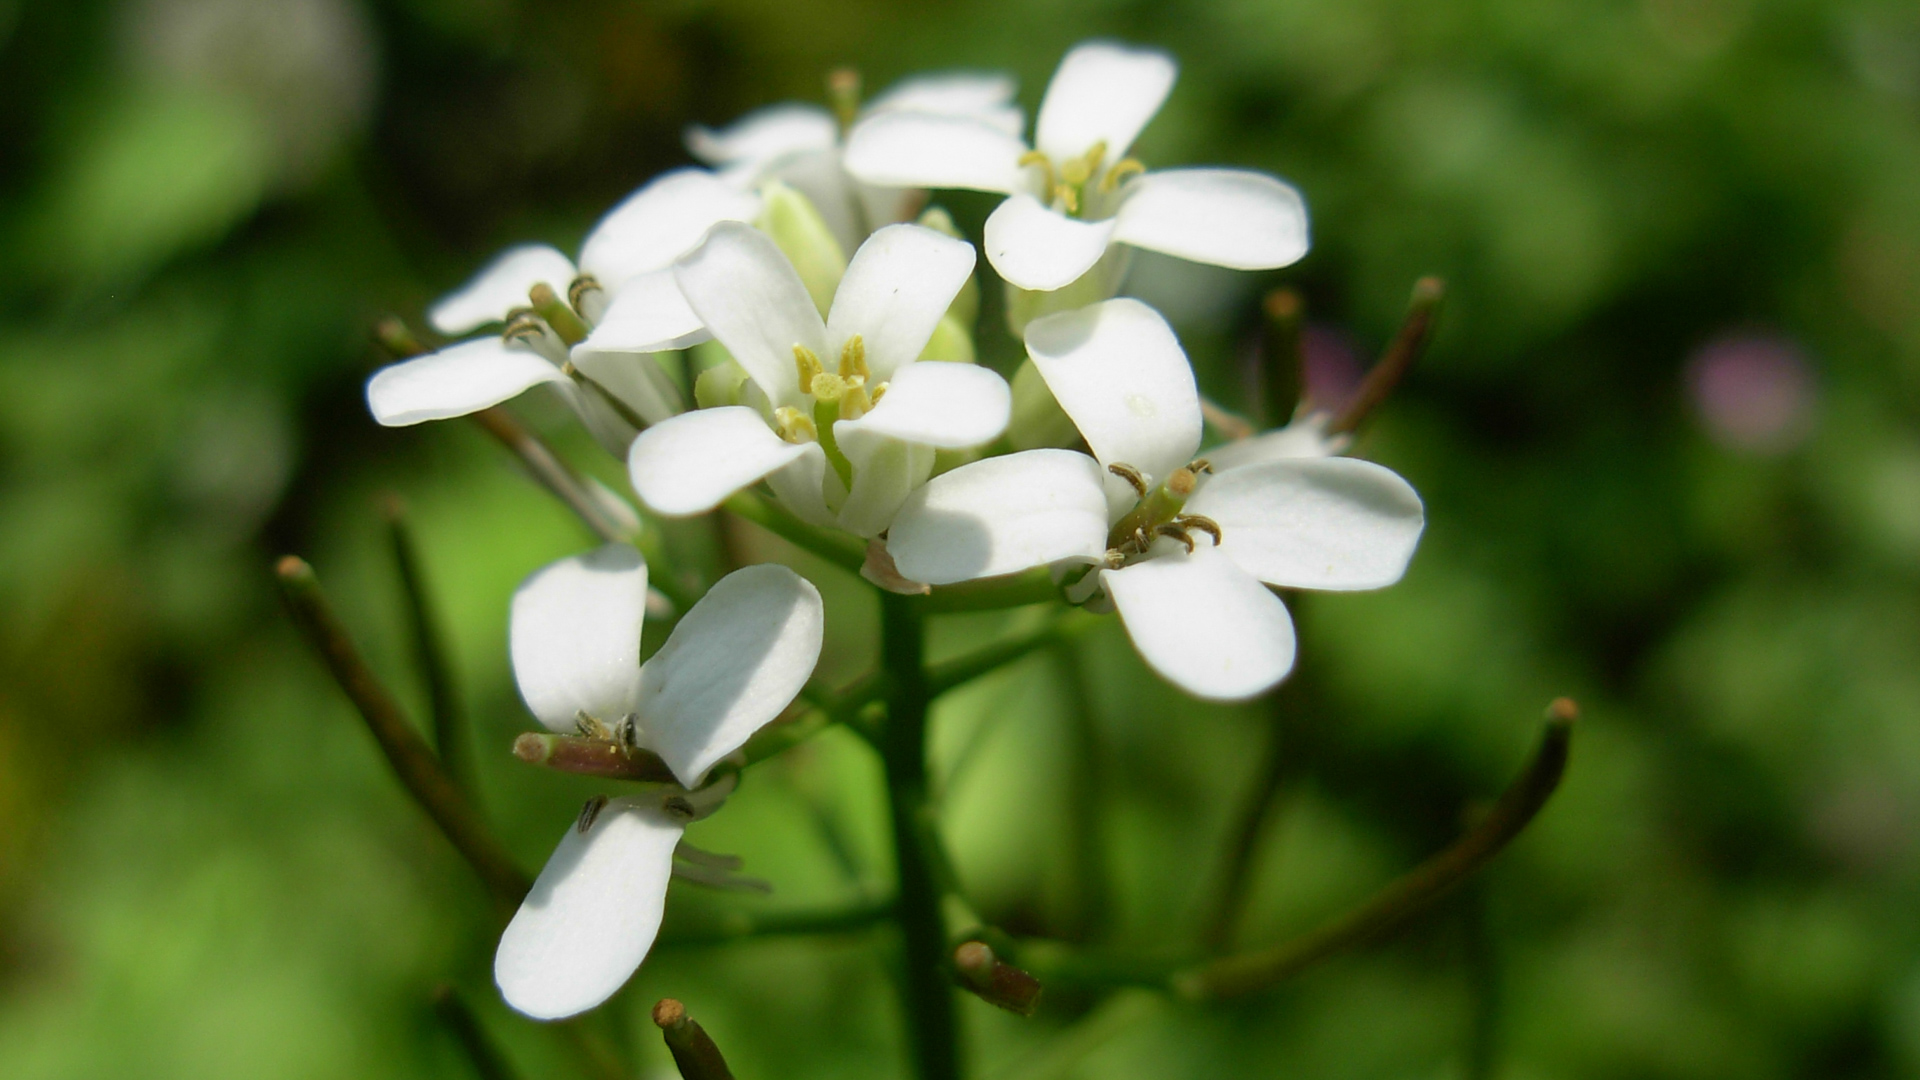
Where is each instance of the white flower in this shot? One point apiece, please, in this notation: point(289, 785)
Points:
point(1078, 192)
point(730, 666)
point(848, 421)
point(602, 319)
point(1183, 555)
point(801, 144)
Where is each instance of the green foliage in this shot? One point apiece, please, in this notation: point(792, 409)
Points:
point(205, 870)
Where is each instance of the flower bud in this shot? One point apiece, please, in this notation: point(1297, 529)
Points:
point(693, 1050)
point(1038, 420)
point(950, 342)
point(996, 981)
point(802, 235)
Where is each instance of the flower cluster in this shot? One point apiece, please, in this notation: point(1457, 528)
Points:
point(847, 385)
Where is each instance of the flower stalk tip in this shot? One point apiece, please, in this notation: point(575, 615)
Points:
point(994, 980)
point(693, 1050)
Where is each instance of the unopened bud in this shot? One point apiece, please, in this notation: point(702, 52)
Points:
point(794, 224)
point(393, 335)
point(996, 981)
point(843, 93)
point(692, 1048)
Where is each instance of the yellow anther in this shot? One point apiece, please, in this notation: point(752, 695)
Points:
point(795, 426)
point(853, 357)
point(879, 392)
point(808, 363)
point(1123, 170)
point(855, 403)
point(827, 386)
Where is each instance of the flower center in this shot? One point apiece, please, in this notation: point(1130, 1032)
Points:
point(1158, 514)
point(1077, 186)
point(841, 394)
point(551, 327)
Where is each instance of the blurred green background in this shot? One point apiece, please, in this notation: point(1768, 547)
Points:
point(1667, 438)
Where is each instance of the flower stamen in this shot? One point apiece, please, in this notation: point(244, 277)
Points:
point(853, 357)
point(1123, 170)
point(1131, 475)
point(1174, 531)
point(1204, 524)
point(589, 814)
point(808, 364)
point(795, 426)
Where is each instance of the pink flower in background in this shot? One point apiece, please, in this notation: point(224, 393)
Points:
point(1753, 391)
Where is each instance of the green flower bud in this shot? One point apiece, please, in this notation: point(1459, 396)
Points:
point(803, 236)
point(950, 342)
point(1038, 420)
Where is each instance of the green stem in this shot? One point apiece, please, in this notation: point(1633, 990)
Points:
point(932, 1022)
point(838, 550)
point(1062, 627)
point(1014, 590)
point(412, 760)
point(735, 925)
point(485, 1057)
point(449, 734)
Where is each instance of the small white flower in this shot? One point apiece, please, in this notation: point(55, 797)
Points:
point(730, 666)
point(622, 291)
point(1182, 557)
point(848, 419)
point(801, 144)
point(1078, 192)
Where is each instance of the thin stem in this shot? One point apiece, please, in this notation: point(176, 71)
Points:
point(412, 760)
point(1085, 780)
point(1394, 905)
point(1063, 626)
point(1406, 348)
point(487, 1060)
point(556, 475)
point(1390, 908)
point(1014, 590)
point(1483, 974)
point(932, 1021)
point(736, 925)
point(429, 649)
point(1283, 375)
point(843, 552)
point(1231, 899)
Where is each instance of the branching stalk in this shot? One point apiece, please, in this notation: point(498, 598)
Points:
point(412, 760)
point(1406, 348)
point(841, 551)
point(429, 649)
point(1063, 626)
point(1410, 894)
point(929, 1004)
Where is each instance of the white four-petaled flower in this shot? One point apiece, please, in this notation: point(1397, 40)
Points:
point(1187, 557)
point(843, 419)
point(1079, 192)
point(731, 665)
point(801, 146)
point(622, 293)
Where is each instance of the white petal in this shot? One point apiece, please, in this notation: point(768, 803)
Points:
point(575, 636)
point(985, 96)
point(1001, 515)
point(897, 287)
point(732, 663)
point(592, 914)
point(1315, 523)
point(1102, 92)
point(802, 486)
point(765, 134)
point(951, 406)
point(1036, 248)
point(501, 287)
point(1203, 623)
point(455, 381)
point(690, 463)
point(635, 378)
point(885, 472)
point(752, 299)
point(1227, 217)
point(912, 149)
point(1304, 438)
point(659, 223)
point(1119, 372)
point(648, 314)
